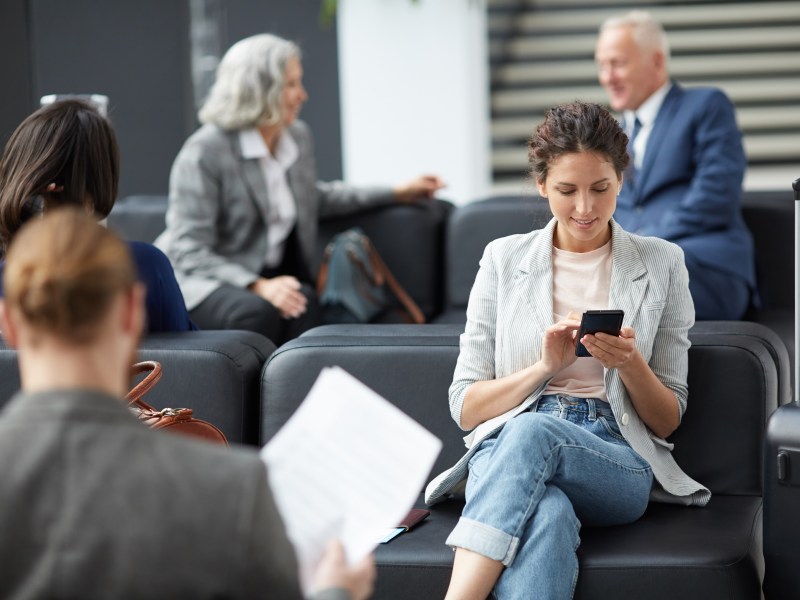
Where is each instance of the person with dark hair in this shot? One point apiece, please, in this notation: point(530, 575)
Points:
point(95, 504)
point(66, 154)
point(687, 165)
point(245, 201)
point(558, 441)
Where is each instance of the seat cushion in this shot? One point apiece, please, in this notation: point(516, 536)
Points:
point(708, 553)
point(215, 373)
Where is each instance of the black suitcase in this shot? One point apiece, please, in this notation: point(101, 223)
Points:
point(782, 474)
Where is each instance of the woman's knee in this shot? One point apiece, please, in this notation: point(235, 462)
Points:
point(235, 308)
point(533, 428)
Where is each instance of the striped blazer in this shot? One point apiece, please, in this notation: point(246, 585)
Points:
point(510, 306)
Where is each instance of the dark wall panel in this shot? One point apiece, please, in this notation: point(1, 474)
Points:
point(16, 98)
point(298, 20)
point(137, 53)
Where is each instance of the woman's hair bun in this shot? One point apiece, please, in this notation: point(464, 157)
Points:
point(63, 271)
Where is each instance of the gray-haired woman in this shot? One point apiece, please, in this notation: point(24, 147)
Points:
point(245, 200)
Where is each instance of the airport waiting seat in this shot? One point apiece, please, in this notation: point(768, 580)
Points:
point(215, 373)
point(737, 378)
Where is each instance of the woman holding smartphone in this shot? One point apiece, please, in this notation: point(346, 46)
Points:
point(559, 441)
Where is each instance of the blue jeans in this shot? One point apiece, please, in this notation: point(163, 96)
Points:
point(531, 487)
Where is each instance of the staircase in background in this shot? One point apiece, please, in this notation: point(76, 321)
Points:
point(542, 54)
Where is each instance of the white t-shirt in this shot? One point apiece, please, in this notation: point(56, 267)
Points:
point(646, 114)
point(581, 281)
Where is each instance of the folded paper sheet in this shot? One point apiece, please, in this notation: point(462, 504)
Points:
point(347, 464)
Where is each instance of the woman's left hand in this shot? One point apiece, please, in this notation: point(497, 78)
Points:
point(613, 352)
point(422, 187)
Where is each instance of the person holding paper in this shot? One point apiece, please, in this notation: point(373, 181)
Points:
point(96, 505)
point(559, 441)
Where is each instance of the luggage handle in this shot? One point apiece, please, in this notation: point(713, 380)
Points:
point(796, 188)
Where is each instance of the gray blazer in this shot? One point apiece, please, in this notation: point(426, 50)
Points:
point(511, 305)
point(218, 215)
point(96, 505)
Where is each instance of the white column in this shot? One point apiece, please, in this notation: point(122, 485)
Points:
point(414, 83)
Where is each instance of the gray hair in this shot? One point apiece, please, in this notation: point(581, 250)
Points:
point(647, 32)
point(250, 78)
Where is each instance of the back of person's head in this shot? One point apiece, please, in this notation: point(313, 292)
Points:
point(573, 128)
point(63, 271)
point(647, 32)
point(68, 146)
point(249, 83)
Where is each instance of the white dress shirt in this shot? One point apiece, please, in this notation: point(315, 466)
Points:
point(282, 214)
point(646, 114)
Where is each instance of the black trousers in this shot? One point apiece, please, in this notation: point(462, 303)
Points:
point(229, 307)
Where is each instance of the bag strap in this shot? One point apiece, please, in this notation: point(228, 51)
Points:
point(381, 272)
point(134, 397)
point(322, 277)
point(408, 303)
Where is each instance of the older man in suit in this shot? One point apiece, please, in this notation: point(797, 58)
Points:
point(685, 180)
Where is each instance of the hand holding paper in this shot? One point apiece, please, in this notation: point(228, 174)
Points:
point(346, 465)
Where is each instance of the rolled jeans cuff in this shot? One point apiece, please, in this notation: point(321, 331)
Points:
point(484, 540)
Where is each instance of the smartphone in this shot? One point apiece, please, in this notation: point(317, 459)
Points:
point(598, 321)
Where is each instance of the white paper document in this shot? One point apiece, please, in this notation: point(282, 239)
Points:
point(346, 465)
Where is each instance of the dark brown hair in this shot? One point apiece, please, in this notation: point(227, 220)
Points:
point(577, 127)
point(66, 143)
point(63, 271)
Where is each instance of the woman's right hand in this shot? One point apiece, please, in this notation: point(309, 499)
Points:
point(558, 344)
point(283, 292)
point(333, 572)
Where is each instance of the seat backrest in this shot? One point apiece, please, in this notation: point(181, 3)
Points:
point(413, 371)
point(215, 373)
point(472, 226)
point(409, 239)
point(139, 218)
point(769, 216)
point(733, 388)
point(733, 383)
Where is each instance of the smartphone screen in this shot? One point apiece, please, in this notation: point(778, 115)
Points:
point(596, 321)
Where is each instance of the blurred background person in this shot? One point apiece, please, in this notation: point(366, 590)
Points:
point(95, 504)
point(66, 154)
point(688, 163)
point(244, 200)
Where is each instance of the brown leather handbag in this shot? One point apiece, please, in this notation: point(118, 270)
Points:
point(174, 420)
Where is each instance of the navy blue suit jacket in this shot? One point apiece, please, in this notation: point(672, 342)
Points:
point(689, 188)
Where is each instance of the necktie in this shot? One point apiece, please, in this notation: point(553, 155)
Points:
point(637, 127)
point(632, 170)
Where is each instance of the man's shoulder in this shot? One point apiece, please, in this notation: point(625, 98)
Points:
point(703, 96)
